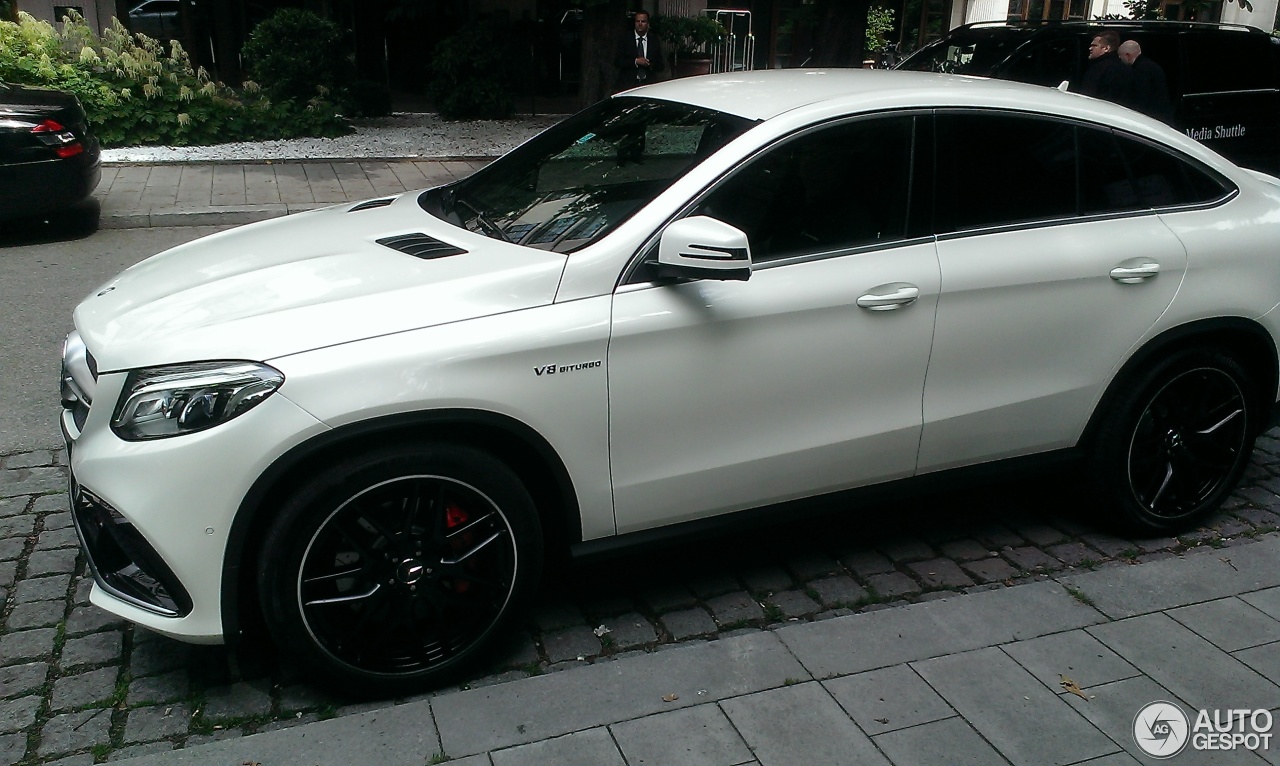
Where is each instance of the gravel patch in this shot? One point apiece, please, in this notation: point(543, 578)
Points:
point(403, 135)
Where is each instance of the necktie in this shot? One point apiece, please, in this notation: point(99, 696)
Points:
point(640, 47)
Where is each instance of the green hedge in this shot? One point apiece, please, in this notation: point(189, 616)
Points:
point(471, 72)
point(296, 54)
point(136, 92)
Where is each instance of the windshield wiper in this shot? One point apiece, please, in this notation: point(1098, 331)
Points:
point(491, 229)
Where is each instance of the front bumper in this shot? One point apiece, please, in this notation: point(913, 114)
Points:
point(121, 561)
point(154, 517)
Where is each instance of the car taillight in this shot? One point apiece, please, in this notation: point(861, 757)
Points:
point(53, 134)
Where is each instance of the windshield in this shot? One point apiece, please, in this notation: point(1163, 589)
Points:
point(974, 51)
point(584, 176)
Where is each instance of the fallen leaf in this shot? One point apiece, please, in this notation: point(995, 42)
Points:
point(1072, 687)
point(670, 697)
point(600, 631)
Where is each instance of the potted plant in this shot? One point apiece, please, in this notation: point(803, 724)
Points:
point(688, 38)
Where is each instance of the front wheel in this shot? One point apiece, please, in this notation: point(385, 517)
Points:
point(393, 571)
point(1176, 441)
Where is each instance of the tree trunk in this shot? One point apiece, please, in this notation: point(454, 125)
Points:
point(226, 40)
point(195, 34)
point(602, 24)
point(842, 32)
point(122, 11)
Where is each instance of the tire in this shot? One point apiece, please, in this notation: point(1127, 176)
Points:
point(393, 571)
point(1174, 442)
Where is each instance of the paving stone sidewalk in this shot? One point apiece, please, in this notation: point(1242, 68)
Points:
point(1047, 673)
point(134, 196)
point(77, 686)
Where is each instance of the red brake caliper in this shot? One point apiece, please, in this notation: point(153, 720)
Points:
point(455, 517)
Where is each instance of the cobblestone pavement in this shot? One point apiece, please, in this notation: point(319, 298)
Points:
point(78, 686)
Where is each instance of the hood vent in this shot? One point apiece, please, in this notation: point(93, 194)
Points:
point(419, 245)
point(371, 204)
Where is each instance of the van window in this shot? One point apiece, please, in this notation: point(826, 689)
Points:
point(1048, 63)
point(968, 51)
point(1226, 61)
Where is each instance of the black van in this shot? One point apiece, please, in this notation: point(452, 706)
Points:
point(1224, 80)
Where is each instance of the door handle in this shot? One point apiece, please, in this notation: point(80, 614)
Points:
point(1135, 270)
point(888, 297)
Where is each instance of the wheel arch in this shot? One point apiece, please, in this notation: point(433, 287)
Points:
point(515, 443)
point(1247, 341)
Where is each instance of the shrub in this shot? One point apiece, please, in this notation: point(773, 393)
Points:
point(879, 27)
point(470, 74)
point(136, 92)
point(687, 35)
point(297, 55)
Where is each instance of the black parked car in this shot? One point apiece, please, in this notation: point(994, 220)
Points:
point(1224, 80)
point(157, 19)
point(49, 160)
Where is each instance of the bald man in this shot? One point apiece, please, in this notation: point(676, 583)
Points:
point(1150, 89)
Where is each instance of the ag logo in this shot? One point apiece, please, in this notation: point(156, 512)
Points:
point(1161, 729)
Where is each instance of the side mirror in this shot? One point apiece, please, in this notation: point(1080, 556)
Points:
point(699, 247)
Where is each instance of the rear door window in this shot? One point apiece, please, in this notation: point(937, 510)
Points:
point(1119, 173)
point(996, 168)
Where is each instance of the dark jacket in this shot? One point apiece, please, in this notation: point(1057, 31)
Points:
point(1109, 78)
point(1151, 90)
point(625, 60)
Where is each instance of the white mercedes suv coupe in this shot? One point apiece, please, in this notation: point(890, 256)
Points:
point(366, 426)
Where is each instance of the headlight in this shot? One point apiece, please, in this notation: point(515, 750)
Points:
point(184, 398)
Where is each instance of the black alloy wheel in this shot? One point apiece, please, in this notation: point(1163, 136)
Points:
point(399, 568)
point(1187, 442)
point(1178, 441)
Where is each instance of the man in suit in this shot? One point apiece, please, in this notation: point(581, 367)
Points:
point(639, 55)
point(1106, 76)
point(1150, 88)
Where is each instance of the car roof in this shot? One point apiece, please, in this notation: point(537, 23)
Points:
point(764, 94)
point(802, 96)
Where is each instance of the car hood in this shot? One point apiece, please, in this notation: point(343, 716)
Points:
point(306, 281)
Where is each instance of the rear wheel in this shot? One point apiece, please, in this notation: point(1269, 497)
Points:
point(393, 571)
point(1176, 441)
